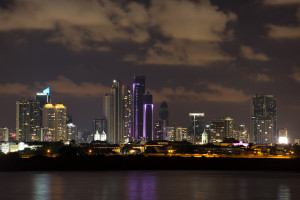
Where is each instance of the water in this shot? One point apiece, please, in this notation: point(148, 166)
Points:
point(149, 185)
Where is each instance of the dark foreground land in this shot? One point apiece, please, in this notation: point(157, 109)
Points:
point(140, 162)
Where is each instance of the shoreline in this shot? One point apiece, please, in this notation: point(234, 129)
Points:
point(141, 162)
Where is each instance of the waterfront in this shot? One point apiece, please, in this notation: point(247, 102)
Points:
point(150, 185)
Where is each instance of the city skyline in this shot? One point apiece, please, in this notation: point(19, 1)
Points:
point(232, 50)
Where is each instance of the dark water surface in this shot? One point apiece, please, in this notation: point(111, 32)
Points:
point(149, 185)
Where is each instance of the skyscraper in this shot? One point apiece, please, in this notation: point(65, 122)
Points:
point(4, 134)
point(108, 114)
point(181, 134)
point(28, 125)
point(113, 112)
point(99, 125)
point(159, 130)
point(164, 112)
point(71, 132)
point(196, 127)
point(283, 136)
point(55, 122)
point(127, 112)
point(228, 126)
point(49, 122)
point(217, 131)
point(138, 91)
point(147, 117)
point(43, 97)
point(263, 119)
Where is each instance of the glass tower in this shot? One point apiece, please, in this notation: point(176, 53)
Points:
point(138, 91)
point(263, 119)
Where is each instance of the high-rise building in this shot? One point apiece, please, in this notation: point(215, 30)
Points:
point(241, 133)
point(72, 132)
point(204, 139)
point(108, 114)
point(169, 133)
point(99, 125)
point(283, 136)
point(61, 122)
point(263, 119)
point(181, 134)
point(228, 126)
point(147, 117)
point(43, 97)
point(127, 112)
point(49, 122)
point(138, 90)
point(4, 134)
point(217, 131)
point(196, 127)
point(159, 130)
point(55, 122)
point(164, 112)
point(113, 112)
point(28, 125)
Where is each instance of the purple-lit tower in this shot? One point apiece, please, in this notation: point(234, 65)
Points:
point(138, 92)
point(147, 117)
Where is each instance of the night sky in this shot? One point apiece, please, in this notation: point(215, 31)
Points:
point(198, 55)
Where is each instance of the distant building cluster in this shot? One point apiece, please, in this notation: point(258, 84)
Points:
point(39, 120)
point(128, 118)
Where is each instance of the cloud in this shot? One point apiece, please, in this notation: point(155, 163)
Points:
point(281, 2)
point(283, 32)
point(195, 31)
point(296, 74)
point(79, 25)
point(181, 19)
point(61, 85)
point(192, 30)
point(248, 53)
point(65, 86)
point(261, 78)
point(14, 89)
point(182, 52)
point(217, 93)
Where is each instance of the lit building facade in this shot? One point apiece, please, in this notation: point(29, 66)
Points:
point(72, 132)
point(159, 130)
point(147, 117)
point(263, 119)
point(228, 126)
point(181, 134)
point(196, 127)
point(28, 124)
point(217, 131)
point(54, 122)
point(4, 134)
point(204, 137)
point(169, 133)
point(283, 136)
point(99, 125)
point(127, 112)
point(113, 112)
point(242, 133)
point(138, 89)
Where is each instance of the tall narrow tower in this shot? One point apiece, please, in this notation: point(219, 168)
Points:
point(138, 91)
point(147, 117)
point(113, 112)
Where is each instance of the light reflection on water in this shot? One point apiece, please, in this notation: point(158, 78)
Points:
point(149, 185)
